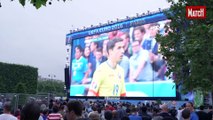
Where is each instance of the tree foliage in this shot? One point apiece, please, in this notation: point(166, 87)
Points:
point(18, 78)
point(20, 88)
point(51, 86)
point(188, 47)
point(37, 3)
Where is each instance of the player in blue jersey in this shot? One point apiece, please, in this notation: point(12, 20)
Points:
point(79, 67)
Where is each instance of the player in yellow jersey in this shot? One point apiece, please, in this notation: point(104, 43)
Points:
point(108, 79)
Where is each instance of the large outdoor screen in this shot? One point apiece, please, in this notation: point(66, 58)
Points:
point(140, 70)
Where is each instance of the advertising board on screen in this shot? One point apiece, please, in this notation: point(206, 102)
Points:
point(130, 67)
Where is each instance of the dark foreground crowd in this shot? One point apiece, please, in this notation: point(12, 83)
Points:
point(104, 110)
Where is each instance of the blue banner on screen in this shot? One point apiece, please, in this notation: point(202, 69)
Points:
point(121, 25)
point(121, 59)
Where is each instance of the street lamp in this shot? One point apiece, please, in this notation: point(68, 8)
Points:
point(51, 76)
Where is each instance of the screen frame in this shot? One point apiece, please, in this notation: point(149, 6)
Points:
point(72, 37)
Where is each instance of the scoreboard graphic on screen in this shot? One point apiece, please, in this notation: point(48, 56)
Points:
point(140, 73)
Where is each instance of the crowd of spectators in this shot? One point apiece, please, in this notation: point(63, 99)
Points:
point(104, 110)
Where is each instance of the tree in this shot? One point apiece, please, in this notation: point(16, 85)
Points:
point(188, 48)
point(14, 76)
point(36, 3)
point(20, 88)
point(50, 86)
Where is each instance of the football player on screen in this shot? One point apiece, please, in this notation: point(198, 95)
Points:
point(108, 79)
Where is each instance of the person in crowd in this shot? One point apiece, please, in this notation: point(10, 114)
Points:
point(128, 111)
point(55, 115)
point(74, 110)
point(150, 43)
point(140, 66)
point(51, 102)
point(87, 57)
point(17, 114)
point(114, 34)
point(134, 114)
point(92, 57)
point(193, 115)
point(108, 79)
point(108, 115)
point(144, 114)
point(164, 111)
point(45, 113)
point(179, 111)
point(110, 106)
point(99, 58)
point(93, 48)
point(121, 112)
point(7, 112)
point(127, 45)
point(1, 106)
point(138, 34)
point(115, 115)
point(94, 116)
point(86, 53)
point(157, 118)
point(94, 109)
point(31, 111)
point(84, 112)
point(124, 63)
point(79, 67)
point(125, 118)
point(146, 27)
point(105, 54)
point(202, 115)
point(210, 113)
point(186, 114)
point(87, 40)
point(62, 110)
point(173, 113)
